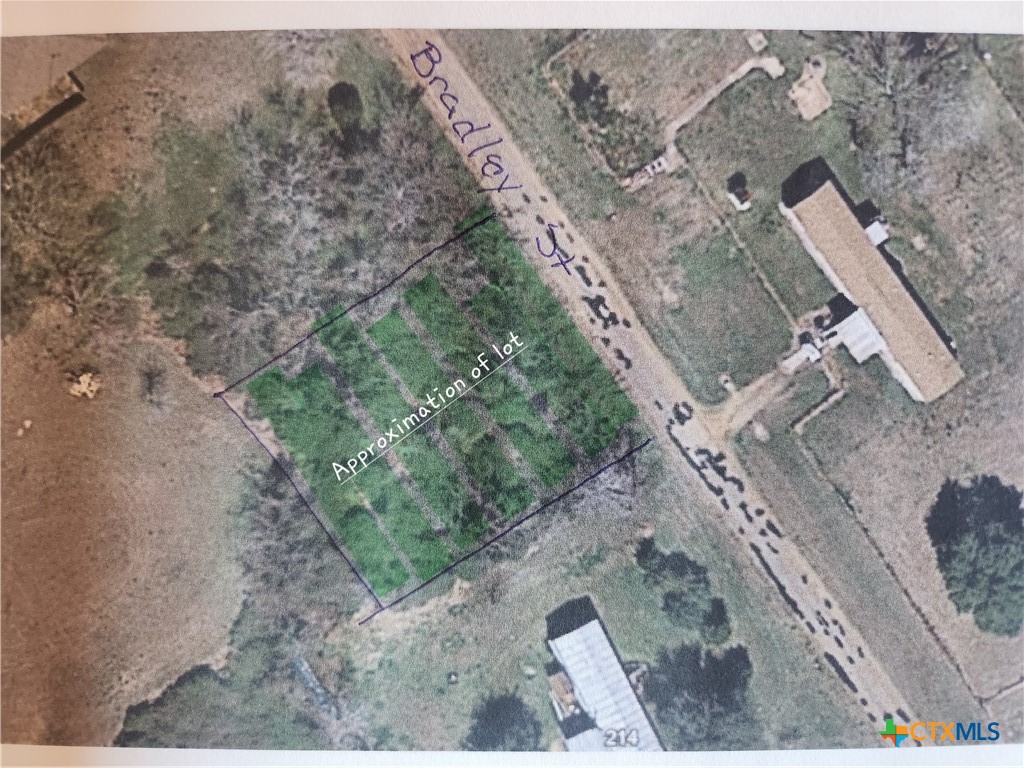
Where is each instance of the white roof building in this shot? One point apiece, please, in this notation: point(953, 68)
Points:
point(605, 713)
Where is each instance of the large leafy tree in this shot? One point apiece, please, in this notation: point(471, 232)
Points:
point(977, 530)
point(700, 698)
point(688, 601)
point(503, 723)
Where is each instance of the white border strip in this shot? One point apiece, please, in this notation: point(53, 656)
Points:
point(64, 17)
point(973, 755)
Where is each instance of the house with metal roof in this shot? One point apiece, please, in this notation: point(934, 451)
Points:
point(847, 242)
point(593, 699)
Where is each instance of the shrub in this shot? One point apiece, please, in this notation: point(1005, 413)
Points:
point(503, 723)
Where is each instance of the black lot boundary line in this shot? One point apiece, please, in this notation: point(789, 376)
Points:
point(316, 517)
point(363, 300)
point(509, 530)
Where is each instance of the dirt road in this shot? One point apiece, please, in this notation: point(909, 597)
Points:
point(663, 399)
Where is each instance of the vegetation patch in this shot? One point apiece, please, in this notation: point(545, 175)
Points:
point(687, 598)
point(507, 403)
point(977, 530)
point(511, 273)
point(725, 322)
point(624, 138)
point(429, 469)
point(286, 211)
point(547, 374)
point(700, 698)
point(503, 723)
point(316, 428)
point(487, 465)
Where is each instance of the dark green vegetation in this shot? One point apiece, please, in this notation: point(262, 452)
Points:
point(506, 402)
point(513, 275)
point(428, 467)
point(346, 108)
point(312, 421)
point(293, 208)
point(483, 458)
point(700, 698)
point(547, 375)
point(503, 723)
point(624, 139)
point(317, 429)
point(698, 695)
point(977, 530)
point(687, 598)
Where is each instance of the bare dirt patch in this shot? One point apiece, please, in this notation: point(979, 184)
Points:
point(135, 81)
point(118, 572)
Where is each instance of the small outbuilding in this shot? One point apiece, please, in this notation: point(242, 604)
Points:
point(736, 189)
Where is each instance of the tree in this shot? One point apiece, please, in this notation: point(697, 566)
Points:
point(649, 558)
point(905, 80)
point(977, 531)
point(686, 607)
point(715, 628)
point(689, 602)
point(699, 698)
point(346, 108)
point(590, 96)
point(503, 723)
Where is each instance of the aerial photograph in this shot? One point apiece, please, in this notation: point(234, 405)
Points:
point(547, 390)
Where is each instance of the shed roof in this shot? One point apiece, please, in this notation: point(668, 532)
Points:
point(602, 688)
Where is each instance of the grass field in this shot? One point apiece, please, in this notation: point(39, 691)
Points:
point(506, 402)
point(512, 274)
point(751, 128)
point(429, 469)
point(724, 322)
point(459, 459)
point(318, 429)
point(509, 69)
point(839, 550)
point(658, 71)
point(487, 465)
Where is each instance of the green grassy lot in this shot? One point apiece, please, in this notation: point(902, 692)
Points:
point(725, 322)
point(546, 373)
point(429, 468)
point(507, 403)
point(508, 68)
point(490, 468)
point(751, 128)
point(875, 403)
point(512, 274)
point(838, 549)
point(1005, 66)
point(317, 430)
